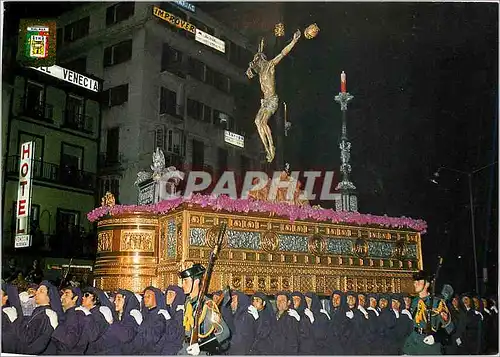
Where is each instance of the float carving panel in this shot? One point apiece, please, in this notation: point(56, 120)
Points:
point(243, 240)
point(292, 243)
point(171, 239)
point(104, 241)
point(137, 240)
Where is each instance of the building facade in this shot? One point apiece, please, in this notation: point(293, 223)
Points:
point(62, 119)
point(163, 89)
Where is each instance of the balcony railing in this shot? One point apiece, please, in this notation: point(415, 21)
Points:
point(80, 122)
point(48, 172)
point(36, 109)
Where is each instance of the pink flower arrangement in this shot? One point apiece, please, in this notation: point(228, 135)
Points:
point(280, 209)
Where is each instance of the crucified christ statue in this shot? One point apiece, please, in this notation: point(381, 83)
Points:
point(269, 104)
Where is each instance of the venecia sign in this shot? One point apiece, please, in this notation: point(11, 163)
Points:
point(23, 207)
point(70, 76)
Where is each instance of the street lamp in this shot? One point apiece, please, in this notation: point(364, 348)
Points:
point(471, 200)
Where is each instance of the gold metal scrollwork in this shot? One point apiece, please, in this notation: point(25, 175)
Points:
point(270, 241)
point(317, 244)
point(211, 237)
point(279, 29)
point(399, 249)
point(360, 248)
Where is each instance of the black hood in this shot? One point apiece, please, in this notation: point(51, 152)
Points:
point(131, 301)
point(180, 297)
point(342, 305)
point(13, 297)
point(315, 303)
point(303, 303)
point(103, 300)
point(160, 298)
point(353, 294)
point(243, 302)
point(55, 298)
point(76, 292)
point(388, 298)
point(399, 298)
point(268, 309)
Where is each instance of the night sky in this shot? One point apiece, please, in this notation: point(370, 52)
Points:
point(425, 82)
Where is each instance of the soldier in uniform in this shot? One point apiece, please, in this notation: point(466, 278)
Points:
point(423, 339)
point(212, 330)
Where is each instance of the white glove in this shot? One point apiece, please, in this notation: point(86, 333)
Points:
point(11, 313)
point(407, 313)
point(193, 350)
point(459, 341)
point(494, 308)
point(294, 313)
point(136, 315)
point(429, 340)
point(323, 311)
point(51, 314)
point(252, 310)
point(106, 312)
point(309, 314)
point(349, 314)
point(165, 314)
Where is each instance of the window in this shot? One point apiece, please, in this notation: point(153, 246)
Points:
point(34, 95)
point(71, 157)
point(198, 159)
point(34, 216)
point(221, 82)
point(221, 119)
point(39, 143)
point(196, 69)
point(210, 76)
point(119, 12)
point(194, 109)
point(118, 53)
point(67, 220)
point(222, 159)
point(74, 112)
point(77, 30)
point(175, 141)
point(113, 145)
point(78, 65)
point(109, 184)
point(116, 95)
point(207, 114)
point(168, 101)
point(171, 60)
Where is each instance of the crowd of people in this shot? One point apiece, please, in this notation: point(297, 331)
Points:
point(71, 320)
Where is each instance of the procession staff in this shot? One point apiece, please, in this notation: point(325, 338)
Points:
point(422, 341)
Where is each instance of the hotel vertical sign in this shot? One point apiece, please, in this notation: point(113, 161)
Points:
point(23, 207)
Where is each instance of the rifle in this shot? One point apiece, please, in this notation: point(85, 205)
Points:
point(66, 274)
point(428, 326)
point(206, 283)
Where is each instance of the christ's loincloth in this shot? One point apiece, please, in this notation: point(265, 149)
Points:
point(270, 104)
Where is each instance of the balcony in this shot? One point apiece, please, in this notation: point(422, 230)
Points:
point(175, 112)
point(79, 122)
point(47, 172)
point(36, 109)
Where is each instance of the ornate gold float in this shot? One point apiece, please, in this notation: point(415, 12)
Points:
point(260, 252)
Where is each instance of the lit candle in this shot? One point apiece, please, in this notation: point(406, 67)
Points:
point(343, 83)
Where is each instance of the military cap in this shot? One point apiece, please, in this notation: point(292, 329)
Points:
point(195, 271)
point(422, 275)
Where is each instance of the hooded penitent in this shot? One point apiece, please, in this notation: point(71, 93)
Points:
point(34, 333)
point(244, 326)
point(263, 342)
point(338, 323)
point(320, 326)
point(12, 314)
point(286, 335)
point(152, 329)
point(174, 329)
point(71, 335)
point(307, 344)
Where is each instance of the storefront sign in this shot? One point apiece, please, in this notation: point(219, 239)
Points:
point(23, 207)
point(71, 77)
point(173, 20)
point(185, 5)
point(210, 41)
point(37, 42)
point(234, 139)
